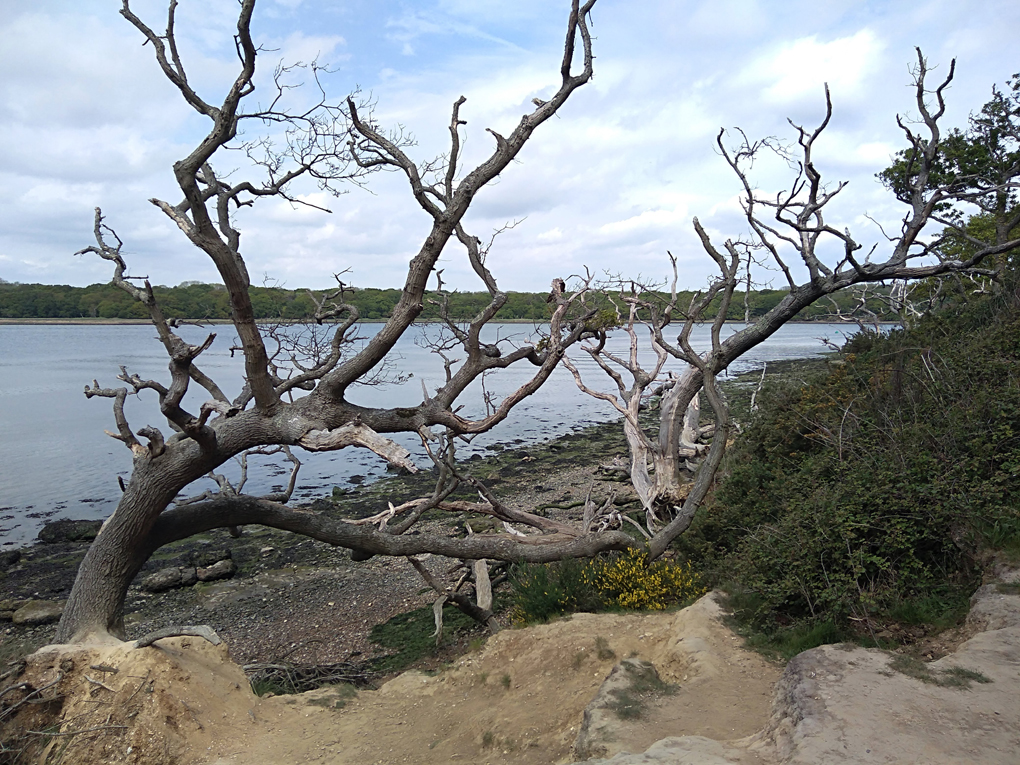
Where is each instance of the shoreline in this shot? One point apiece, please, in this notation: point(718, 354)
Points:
point(295, 597)
point(203, 322)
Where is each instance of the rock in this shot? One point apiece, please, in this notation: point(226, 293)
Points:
point(169, 578)
point(620, 698)
point(678, 750)
point(994, 607)
point(836, 704)
point(38, 612)
point(208, 558)
point(10, 605)
point(69, 531)
point(9, 558)
point(223, 569)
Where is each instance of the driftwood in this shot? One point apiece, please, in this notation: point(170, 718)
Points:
point(202, 631)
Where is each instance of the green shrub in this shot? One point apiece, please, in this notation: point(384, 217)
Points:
point(628, 581)
point(868, 492)
point(543, 591)
point(612, 582)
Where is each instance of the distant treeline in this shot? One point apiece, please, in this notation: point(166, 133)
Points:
point(192, 300)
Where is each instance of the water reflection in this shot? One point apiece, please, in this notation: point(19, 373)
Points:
point(57, 462)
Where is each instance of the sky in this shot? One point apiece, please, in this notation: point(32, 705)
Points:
point(610, 184)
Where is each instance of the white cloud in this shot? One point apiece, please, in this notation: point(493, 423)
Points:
point(613, 181)
point(798, 68)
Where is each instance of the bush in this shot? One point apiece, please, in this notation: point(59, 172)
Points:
point(541, 592)
point(614, 582)
point(871, 491)
point(627, 581)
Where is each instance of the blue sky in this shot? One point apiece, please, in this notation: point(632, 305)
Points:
point(613, 182)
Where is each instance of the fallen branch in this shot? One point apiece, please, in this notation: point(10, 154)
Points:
point(201, 631)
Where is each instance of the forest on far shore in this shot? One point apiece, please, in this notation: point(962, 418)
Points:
point(197, 301)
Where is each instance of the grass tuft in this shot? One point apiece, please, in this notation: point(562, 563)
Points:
point(602, 649)
point(954, 677)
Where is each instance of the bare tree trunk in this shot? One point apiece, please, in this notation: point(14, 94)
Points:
point(96, 605)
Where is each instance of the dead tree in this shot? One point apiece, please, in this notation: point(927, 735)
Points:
point(791, 231)
point(306, 405)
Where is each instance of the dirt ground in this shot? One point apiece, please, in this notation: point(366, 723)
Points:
point(519, 699)
point(526, 694)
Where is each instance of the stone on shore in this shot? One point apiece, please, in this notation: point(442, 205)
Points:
point(223, 569)
point(69, 531)
point(38, 612)
point(169, 578)
point(9, 558)
point(185, 576)
point(10, 605)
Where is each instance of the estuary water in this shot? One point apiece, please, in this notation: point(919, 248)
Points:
point(56, 461)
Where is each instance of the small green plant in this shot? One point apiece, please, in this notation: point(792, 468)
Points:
point(483, 677)
point(602, 649)
point(959, 676)
point(627, 706)
point(786, 642)
point(578, 660)
point(505, 681)
point(269, 687)
point(629, 703)
point(410, 636)
point(488, 739)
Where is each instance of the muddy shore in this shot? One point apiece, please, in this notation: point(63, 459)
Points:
point(304, 601)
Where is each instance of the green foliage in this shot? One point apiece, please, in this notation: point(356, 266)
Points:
point(543, 591)
point(617, 581)
point(867, 494)
point(978, 161)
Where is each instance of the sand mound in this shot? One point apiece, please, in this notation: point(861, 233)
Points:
point(117, 704)
point(521, 698)
point(695, 696)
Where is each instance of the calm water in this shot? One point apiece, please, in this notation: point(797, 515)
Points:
point(56, 461)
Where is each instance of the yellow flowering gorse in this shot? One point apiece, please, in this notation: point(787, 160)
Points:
point(629, 583)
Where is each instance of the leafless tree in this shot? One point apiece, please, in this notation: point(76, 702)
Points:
point(331, 144)
point(791, 231)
